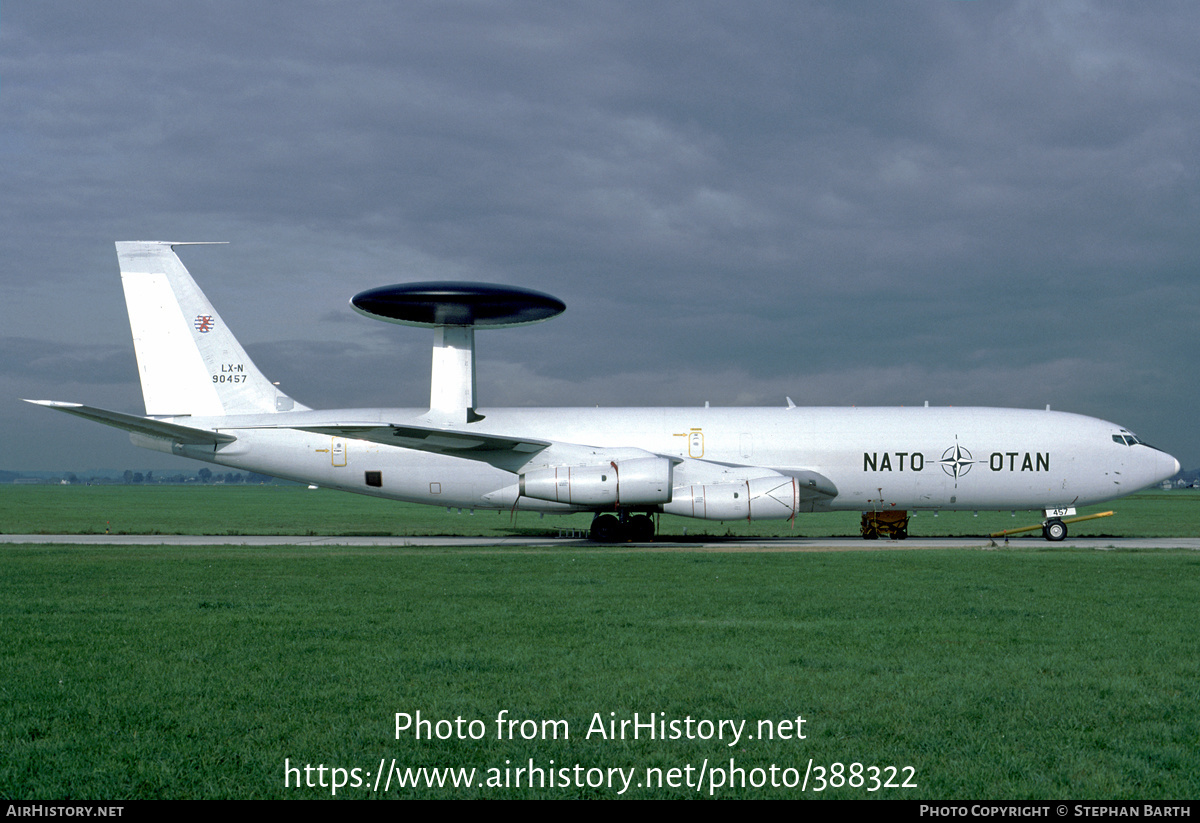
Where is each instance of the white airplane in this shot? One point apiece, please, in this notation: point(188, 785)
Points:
point(206, 400)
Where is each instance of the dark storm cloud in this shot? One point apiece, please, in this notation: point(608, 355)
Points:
point(35, 359)
point(983, 203)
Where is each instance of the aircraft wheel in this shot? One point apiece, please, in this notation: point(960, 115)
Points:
point(640, 528)
point(605, 529)
point(1054, 530)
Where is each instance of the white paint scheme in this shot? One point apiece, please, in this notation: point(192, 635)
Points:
point(175, 357)
point(206, 400)
point(452, 391)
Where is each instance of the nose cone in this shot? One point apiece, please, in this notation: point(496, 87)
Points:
point(1148, 466)
point(1166, 466)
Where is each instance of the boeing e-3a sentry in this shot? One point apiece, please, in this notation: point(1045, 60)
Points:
point(206, 400)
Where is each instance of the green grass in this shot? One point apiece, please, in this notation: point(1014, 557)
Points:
point(223, 510)
point(166, 672)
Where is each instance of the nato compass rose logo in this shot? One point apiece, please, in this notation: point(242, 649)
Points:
point(204, 323)
point(956, 462)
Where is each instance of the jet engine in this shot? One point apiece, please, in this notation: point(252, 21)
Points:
point(642, 481)
point(760, 498)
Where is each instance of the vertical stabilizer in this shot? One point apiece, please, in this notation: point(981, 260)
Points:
point(189, 362)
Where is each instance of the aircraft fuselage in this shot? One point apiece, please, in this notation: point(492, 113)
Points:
point(916, 458)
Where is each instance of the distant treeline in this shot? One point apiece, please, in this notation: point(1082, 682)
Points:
point(132, 477)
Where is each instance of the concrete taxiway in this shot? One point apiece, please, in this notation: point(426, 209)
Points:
point(786, 544)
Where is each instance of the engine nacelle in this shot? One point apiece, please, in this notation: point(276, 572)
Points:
point(760, 498)
point(642, 481)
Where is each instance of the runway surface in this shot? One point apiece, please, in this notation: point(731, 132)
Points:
point(787, 544)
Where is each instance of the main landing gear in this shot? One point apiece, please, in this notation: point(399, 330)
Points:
point(622, 528)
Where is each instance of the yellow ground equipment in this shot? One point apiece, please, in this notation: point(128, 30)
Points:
point(1053, 529)
point(893, 524)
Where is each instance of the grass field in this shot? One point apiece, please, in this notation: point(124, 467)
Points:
point(1032, 672)
point(225, 510)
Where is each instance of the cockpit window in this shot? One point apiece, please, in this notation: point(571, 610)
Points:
point(1130, 440)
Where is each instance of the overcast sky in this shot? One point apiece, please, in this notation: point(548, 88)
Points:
point(851, 203)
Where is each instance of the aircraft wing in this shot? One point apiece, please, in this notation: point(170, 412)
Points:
point(502, 451)
point(512, 453)
point(810, 484)
point(141, 425)
point(439, 441)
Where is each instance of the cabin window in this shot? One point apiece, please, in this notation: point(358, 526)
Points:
point(375, 479)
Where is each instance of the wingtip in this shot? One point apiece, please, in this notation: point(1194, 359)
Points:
point(51, 403)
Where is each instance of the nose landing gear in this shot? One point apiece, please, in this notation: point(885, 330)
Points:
point(1054, 530)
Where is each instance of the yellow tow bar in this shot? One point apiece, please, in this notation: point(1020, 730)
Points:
point(1007, 532)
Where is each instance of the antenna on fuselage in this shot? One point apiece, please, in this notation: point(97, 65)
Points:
point(454, 310)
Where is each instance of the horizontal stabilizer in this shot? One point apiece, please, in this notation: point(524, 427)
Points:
point(141, 425)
